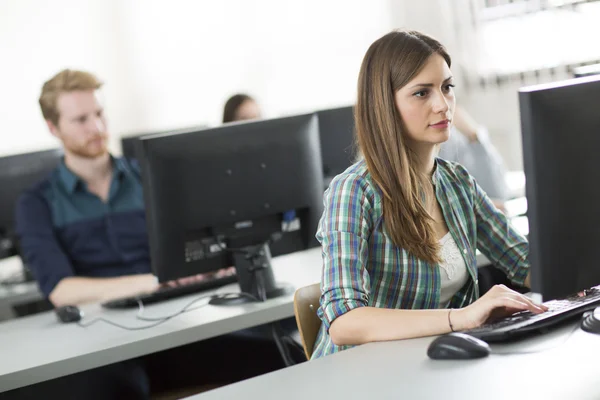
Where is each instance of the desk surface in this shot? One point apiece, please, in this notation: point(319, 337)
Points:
point(401, 370)
point(38, 348)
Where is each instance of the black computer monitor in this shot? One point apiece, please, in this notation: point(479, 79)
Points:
point(18, 173)
point(336, 130)
point(215, 197)
point(128, 142)
point(561, 136)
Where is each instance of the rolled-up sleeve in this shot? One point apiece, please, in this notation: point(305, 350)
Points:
point(498, 240)
point(38, 243)
point(344, 230)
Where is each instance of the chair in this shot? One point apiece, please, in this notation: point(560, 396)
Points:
point(306, 302)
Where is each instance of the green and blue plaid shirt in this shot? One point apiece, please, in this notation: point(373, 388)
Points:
point(363, 267)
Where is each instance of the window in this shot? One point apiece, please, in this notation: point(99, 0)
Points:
point(516, 36)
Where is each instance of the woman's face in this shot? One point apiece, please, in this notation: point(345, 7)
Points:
point(426, 103)
point(247, 110)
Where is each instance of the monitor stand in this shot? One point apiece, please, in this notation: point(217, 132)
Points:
point(255, 277)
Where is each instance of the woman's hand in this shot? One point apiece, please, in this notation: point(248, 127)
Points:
point(498, 302)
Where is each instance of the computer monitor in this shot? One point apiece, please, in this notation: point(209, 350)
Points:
point(561, 136)
point(18, 173)
point(336, 130)
point(128, 142)
point(215, 197)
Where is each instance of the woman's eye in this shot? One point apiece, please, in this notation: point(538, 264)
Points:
point(448, 87)
point(421, 93)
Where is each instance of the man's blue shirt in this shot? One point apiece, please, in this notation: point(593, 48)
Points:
point(64, 230)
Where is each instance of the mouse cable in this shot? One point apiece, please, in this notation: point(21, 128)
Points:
point(509, 353)
point(141, 317)
point(157, 320)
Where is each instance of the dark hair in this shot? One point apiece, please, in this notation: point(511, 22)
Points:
point(389, 64)
point(232, 105)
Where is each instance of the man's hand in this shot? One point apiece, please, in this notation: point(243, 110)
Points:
point(188, 280)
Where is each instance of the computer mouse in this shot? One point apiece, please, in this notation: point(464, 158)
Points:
point(457, 346)
point(68, 314)
point(590, 322)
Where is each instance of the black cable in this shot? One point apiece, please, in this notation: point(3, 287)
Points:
point(293, 343)
point(237, 296)
point(283, 350)
point(509, 353)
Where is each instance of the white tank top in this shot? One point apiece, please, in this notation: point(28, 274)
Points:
point(453, 270)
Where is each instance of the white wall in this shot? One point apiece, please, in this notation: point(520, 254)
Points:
point(173, 63)
point(38, 38)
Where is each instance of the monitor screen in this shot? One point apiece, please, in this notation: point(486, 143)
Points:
point(129, 141)
point(336, 130)
point(230, 187)
point(560, 125)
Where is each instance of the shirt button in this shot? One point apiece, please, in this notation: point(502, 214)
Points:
point(465, 251)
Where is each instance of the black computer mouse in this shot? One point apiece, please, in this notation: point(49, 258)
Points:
point(68, 314)
point(457, 346)
point(591, 321)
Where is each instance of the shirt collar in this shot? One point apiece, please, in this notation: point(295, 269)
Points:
point(71, 181)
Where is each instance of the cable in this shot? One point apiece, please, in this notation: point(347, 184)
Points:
point(283, 350)
point(128, 328)
point(230, 295)
point(507, 353)
point(181, 311)
point(159, 320)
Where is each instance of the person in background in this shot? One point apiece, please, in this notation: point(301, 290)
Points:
point(400, 227)
point(470, 146)
point(241, 107)
point(82, 232)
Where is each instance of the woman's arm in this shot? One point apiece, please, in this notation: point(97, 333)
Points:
point(497, 238)
point(370, 324)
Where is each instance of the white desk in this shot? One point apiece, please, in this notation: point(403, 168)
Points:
point(402, 370)
point(38, 348)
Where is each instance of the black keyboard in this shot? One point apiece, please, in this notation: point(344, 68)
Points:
point(166, 293)
point(525, 322)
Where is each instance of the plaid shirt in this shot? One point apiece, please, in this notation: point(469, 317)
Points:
point(363, 267)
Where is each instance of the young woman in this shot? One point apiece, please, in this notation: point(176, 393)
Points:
point(400, 227)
